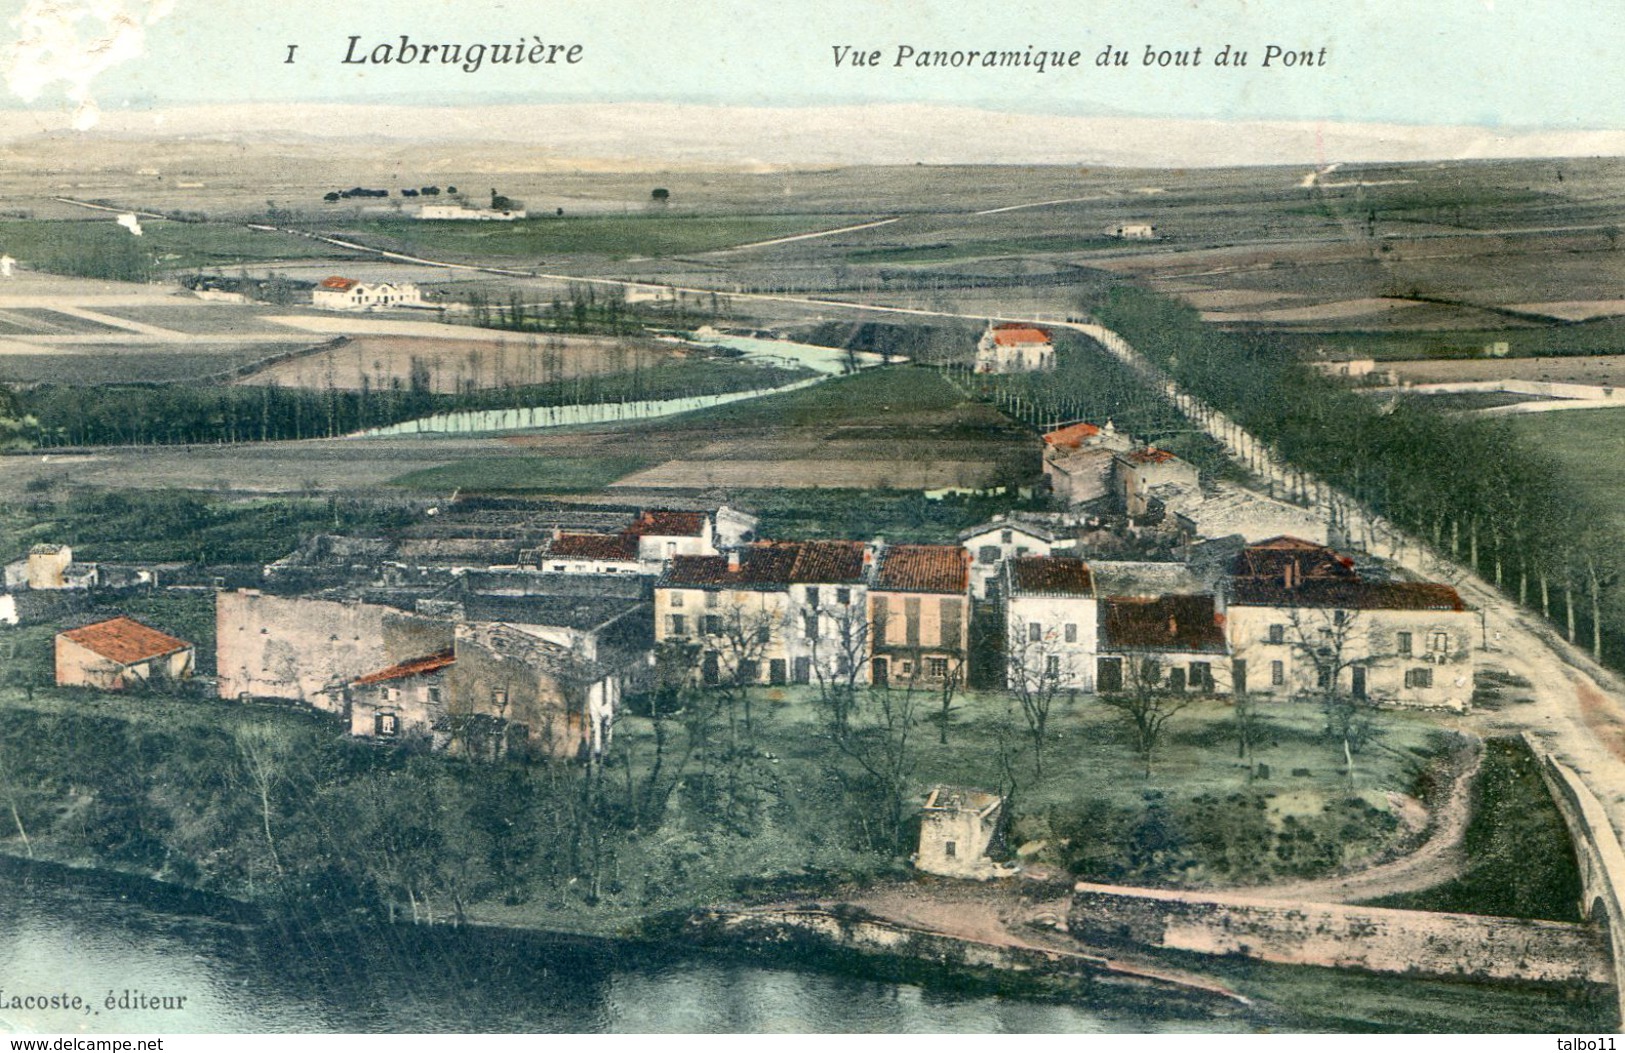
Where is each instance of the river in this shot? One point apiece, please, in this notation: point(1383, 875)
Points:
point(96, 935)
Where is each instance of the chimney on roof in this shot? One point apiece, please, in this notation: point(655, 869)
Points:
point(733, 561)
point(1173, 626)
point(558, 532)
point(1290, 574)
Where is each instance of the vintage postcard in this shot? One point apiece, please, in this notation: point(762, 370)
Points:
point(856, 517)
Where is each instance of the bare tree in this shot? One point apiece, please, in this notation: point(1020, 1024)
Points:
point(1146, 701)
point(839, 660)
point(881, 743)
point(1040, 669)
point(1334, 644)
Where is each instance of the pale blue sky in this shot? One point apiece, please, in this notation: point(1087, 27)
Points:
point(1495, 62)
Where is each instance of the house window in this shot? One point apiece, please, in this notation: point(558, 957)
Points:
point(676, 599)
point(1277, 634)
point(558, 567)
point(988, 554)
point(392, 694)
point(803, 670)
point(809, 625)
point(1277, 673)
point(1109, 674)
point(1202, 676)
point(936, 668)
point(1323, 679)
point(812, 596)
point(749, 671)
point(1404, 644)
point(386, 725)
point(434, 695)
point(1439, 642)
point(1071, 633)
point(1006, 536)
point(671, 549)
point(1035, 632)
point(1052, 666)
point(499, 699)
point(1176, 678)
point(843, 596)
point(1422, 677)
point(950, 849)
point(764, 635)
point(679, 625)
point(711, 600)
point(713, 625)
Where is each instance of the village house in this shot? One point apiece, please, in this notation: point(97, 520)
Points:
point(1230, 509)
point(919, 615)
point(1001, 539)
point(119, 653)
point(957, 829)
point(645, 544)
point(1015, 347)
point(590, 554)
point(348, 294)
point(1148, 474)
point(510, 691)
point(1051, 617)
point(404, 702)
point(767, 612)
point(1173, 643)
point(1298, 615)
point(308, 648)
point(1078, 461)
point(1132, 232)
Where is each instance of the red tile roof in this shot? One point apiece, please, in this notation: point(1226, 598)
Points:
point(1150, 455)
point(594, 546)
point(1166, 623)
point(1305, 560)
point(772, 564)
point(411, 667)
point(125, 641)
point(1347, 594)
point(924, 568)
point(1072, 436)
point(341, 284)
point(669, 524)
point(1051, 576)
point(1011, 334)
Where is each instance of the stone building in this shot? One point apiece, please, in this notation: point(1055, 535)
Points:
point(1015, 347)
point(1174, 644)
point(1298, 615)
point(769, 612)
point(1051, 616)
point(119, 653)
point(404, 702)
point(919, 615)
point(1142, 475)
point(957, 828)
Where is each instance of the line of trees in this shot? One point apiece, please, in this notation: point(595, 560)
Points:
point(1468, 486)
point(50, 415)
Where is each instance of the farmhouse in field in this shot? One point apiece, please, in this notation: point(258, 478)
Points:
point(957, 828)
point(463, 213)
point(120, 653)
point(347, 294)
point(1132, 232)
point(1015, 347)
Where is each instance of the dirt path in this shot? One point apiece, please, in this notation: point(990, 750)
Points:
point(1439, 859)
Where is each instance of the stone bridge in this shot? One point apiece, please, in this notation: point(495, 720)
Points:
point(1597, 849)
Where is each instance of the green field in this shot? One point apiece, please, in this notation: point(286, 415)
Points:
point(520, 474)
point(100, 248)
point(614, 236)
point(1590, 447)
point(894, 391)
point(1602, 336)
